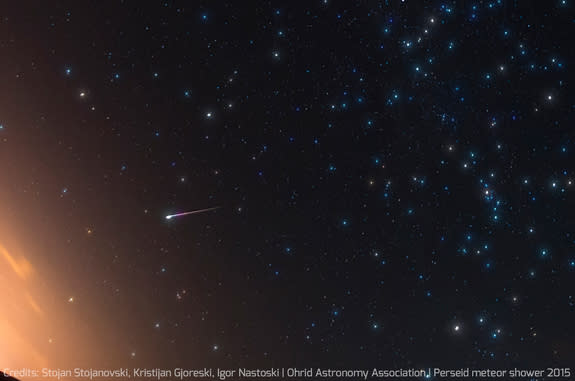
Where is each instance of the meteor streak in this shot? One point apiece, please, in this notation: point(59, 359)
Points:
point(169, 217)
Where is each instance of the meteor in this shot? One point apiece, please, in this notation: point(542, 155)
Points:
point(169, 217)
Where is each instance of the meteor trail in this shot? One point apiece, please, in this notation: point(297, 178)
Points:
point(169, 217)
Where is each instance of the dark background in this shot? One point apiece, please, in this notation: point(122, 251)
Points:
point(357, 235)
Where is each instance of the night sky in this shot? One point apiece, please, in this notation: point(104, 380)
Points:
point(394, 184)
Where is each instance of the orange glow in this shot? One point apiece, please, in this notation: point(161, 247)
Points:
point(21, 313)
point(36, 329)
point(20, 266)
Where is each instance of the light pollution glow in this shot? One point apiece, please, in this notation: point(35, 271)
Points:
point(36, 329)
point(21, 312)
